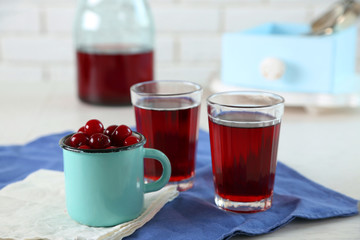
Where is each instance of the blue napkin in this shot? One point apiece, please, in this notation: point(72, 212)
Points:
point(193, 214)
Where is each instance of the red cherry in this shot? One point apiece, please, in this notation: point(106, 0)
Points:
point(84, 147)
point(110, 129)
point(99, 141)
point(111, 147)
point(78, 139)
point(67, 141)
point(82, 129)
point(131, 140)
point(119, 135)
point(93, 126)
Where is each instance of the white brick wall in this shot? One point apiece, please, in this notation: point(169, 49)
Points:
point(36, 41)
point(178, 19)
point(37, 49)
point(24, 20)
point(200, 48)
point(239, 18)
point(165, 46)
point(59, 20)
point(18, 72)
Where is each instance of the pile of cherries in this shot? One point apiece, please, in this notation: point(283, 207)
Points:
point(93, 135)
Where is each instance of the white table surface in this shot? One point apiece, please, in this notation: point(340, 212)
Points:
point(324, 147)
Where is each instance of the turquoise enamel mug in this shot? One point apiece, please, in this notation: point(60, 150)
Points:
point(105, 187)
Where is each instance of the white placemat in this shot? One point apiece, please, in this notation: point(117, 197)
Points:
point(35, 208)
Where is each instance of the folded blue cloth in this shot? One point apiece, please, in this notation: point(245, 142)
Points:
point(193, 214)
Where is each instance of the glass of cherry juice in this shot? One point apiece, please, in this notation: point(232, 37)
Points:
point(244, 131)
point(167, 113)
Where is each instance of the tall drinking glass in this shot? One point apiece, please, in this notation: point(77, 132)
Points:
point(167, 113)
point(244, 135)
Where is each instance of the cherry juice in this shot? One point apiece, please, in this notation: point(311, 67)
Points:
point(105, 74)
point(171, 126)
point(244, 155)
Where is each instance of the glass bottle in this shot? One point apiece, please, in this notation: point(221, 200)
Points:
point(114, 42)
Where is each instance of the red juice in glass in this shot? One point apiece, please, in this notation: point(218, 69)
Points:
point(244, 151)
point(171, 126)
point(105, 74)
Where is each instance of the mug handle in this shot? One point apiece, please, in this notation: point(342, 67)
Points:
point(164, 179)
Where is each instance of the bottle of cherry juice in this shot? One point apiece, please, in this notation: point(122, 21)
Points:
point(114, 42)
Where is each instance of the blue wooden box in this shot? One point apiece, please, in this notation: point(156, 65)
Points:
point(311, 64)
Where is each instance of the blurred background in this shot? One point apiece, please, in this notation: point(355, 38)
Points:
point(36, 38)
